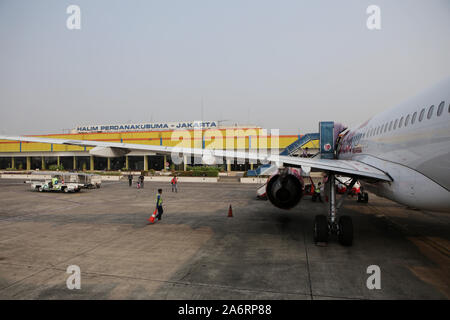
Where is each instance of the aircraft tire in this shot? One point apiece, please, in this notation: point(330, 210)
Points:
point(321, 229)
point(360, 198)
point(345, 233)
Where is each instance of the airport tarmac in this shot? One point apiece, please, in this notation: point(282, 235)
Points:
point(197, 252)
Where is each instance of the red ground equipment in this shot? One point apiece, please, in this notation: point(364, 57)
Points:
point(309, 188)
point(341, 186)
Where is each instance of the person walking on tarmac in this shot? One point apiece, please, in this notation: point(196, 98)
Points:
point(130, 179)
point(174, 182)
point(159, 204)
point(141, 180)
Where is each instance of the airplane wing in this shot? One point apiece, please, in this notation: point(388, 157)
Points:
point(344, 167)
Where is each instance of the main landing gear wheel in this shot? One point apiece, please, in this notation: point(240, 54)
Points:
point(343, 227)
point(321, 230)
point(363, 197)
point(345, 230)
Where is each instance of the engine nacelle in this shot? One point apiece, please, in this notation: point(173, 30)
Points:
point(285, 188)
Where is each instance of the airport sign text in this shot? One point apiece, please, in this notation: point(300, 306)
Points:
point(148, 126)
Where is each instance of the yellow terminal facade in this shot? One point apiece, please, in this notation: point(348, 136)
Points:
point(31, 156)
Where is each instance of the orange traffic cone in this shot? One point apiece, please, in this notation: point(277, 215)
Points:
point(152, 217)
point(230, 212)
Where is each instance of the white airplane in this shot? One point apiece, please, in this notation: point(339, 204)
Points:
point(402, 154)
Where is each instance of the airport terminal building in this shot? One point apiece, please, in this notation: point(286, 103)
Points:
point(21, 155)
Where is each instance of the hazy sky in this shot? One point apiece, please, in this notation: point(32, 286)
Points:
point(278, 64)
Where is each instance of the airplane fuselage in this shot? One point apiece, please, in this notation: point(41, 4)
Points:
point(411, 143)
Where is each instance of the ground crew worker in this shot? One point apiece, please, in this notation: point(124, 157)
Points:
point(141, 179)
point(159, 204)
point(318, 190)
point(305, 153)
point(130, 179)
point(174, 183)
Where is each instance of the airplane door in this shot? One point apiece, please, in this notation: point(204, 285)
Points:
point(326, 139)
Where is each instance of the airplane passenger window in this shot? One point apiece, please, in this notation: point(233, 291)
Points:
point(414, 118)
point(400, 123)
point(395, 124)
point(407, 120)
point(421, 115)
point(385, 126)
point(440, 108)
point(390, 125)
point(430, 112)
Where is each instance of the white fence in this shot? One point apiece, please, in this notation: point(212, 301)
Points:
point(253, 180)
point(181, 179)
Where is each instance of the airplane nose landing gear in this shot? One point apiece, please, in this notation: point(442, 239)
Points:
point(324, 227)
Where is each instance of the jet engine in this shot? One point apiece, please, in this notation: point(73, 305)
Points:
point(285, 188)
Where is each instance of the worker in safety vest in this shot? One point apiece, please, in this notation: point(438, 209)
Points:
point(318, 190)
point(52, 182)
point(159, 204)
